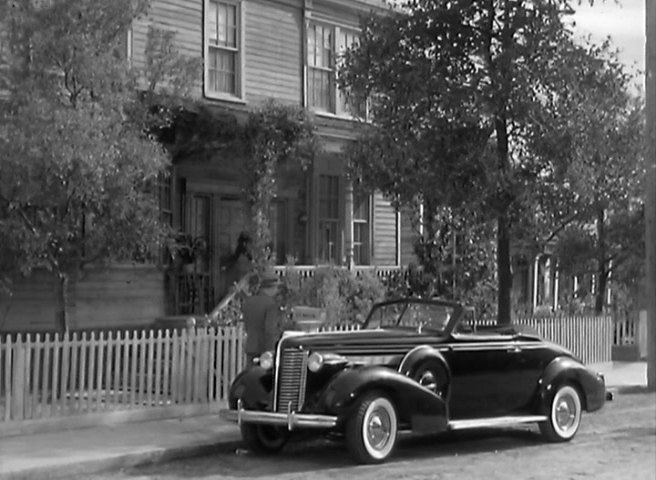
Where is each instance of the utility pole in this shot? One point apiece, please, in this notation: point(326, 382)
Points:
point(650, 190)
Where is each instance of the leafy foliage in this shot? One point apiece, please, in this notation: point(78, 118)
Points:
point(457, 89)
point(273, 135)
point(80, 158)
point(591, 198)
point(346, 296)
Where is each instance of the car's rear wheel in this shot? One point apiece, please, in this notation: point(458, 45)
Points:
point(372, 429)
point(264, 439)
point(564, 414)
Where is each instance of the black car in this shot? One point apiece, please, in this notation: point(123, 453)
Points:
point(414, 365)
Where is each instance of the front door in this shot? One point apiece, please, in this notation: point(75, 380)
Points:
point(233, 261)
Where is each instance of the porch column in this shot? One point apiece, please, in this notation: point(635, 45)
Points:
point(556, 287)
point(348, 225)
point(536, 269)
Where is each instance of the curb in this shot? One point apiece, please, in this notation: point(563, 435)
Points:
point(630, 389)
point(122, 461)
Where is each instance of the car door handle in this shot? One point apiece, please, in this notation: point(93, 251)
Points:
point(514, 350)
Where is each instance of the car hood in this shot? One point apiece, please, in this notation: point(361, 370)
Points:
point(379, 340)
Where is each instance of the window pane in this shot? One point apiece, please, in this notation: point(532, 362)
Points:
point(319, 88)
point(222, 23)
point(221, 69)
point(232, 26)
point(312, 45)
point(212, 22)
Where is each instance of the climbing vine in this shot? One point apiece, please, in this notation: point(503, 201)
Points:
point(272, 135)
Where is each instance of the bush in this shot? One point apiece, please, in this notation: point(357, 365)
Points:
point(346, 296)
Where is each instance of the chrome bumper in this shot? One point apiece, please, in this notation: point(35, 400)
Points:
point(290, 419)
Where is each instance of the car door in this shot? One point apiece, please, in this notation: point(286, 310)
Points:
point(528, 359)
point(481, 369)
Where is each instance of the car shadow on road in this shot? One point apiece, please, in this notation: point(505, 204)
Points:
point(312, 455)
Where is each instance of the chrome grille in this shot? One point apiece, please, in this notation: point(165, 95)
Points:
point(292, 376)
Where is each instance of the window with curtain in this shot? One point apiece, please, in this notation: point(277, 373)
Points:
point(223, 48)
point(321, 76)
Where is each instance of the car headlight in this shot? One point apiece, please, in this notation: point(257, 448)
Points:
point(266, 360)
point(315, 362)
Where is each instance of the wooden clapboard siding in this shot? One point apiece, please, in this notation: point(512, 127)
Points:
point(273, 38)
point(31, 304)
point(102, 298)
point(341, 13)
point(184, 17)
point(119, 296)
point(385, 231)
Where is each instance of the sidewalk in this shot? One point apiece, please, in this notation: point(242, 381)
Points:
point(623, 377)
point(89, 450)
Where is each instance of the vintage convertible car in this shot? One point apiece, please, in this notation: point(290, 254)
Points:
point(414, 365)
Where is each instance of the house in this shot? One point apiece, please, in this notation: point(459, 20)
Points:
point(252, 50)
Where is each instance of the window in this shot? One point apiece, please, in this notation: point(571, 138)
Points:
point(329, 232)
point(348, 104)
point(361, 229)
point(321, 79)
point(325, 44)
point(222, 53)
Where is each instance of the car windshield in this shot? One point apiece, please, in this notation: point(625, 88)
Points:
point(416, 315)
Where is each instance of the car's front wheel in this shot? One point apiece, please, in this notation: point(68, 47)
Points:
point(264, 439)
point(564, 415)
point(372, 429)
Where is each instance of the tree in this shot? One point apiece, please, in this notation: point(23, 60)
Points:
point(591, 197)
point(81, 159)
point(455, 87)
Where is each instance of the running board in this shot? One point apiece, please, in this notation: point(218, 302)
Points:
point(495, 422)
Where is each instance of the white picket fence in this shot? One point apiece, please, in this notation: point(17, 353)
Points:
point(589, 338)
point(51, 375)
point(47, 376)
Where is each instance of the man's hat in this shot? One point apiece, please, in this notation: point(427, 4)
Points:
point(269, 279)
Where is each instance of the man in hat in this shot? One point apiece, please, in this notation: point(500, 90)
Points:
point(263, 318)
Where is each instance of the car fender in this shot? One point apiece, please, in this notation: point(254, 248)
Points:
point(419, 355)
point(253, 386)
point(415, 405)
point(567, 369)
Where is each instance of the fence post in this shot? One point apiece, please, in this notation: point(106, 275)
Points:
point(18, 380)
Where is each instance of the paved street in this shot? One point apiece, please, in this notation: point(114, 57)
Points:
point(618, 442)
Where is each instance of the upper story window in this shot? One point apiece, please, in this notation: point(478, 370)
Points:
point(223, 49)
point(321, 76)
point(325, 44)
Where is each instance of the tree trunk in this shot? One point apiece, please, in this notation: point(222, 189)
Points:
point(61, 314)
point(602, 271)
point(503, 231)
point(504, 315)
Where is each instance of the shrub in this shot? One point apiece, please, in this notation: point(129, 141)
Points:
point(347, 296)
